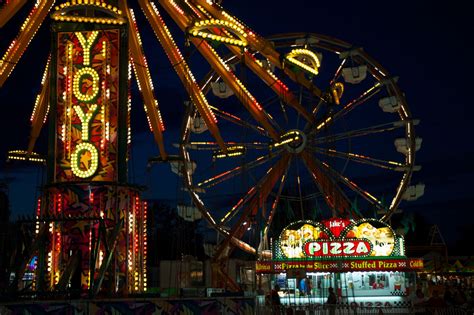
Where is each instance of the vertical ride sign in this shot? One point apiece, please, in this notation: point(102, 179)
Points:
point(87, 98)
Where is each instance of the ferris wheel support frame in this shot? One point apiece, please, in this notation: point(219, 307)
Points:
point(266, 185)
point(335, 198)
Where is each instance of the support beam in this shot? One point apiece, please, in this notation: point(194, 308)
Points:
point(23, 39)
point(68, 272)
point(111, 244)
point(40, 110)
point(9, 10)
point(142, 73)
point(38, 243)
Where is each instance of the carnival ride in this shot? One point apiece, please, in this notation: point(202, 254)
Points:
point(299, 118)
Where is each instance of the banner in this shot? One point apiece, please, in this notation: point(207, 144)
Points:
point(348, 265)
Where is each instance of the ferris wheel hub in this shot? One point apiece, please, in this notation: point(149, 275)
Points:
point(297, 141)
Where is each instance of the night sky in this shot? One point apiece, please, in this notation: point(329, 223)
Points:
point(426, 44)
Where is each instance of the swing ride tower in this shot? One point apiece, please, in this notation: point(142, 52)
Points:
point(92, 222)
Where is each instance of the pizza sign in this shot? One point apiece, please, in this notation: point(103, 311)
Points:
point(337, 248)
point(337, 238)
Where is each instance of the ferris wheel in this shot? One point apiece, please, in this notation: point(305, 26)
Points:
point(332, 136)
point(300, 120)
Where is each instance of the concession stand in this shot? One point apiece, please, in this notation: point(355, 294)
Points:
point(364, 261)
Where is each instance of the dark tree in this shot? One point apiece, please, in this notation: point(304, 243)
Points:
point(170, 236)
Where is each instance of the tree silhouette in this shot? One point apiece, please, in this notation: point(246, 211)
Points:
point(170, 236)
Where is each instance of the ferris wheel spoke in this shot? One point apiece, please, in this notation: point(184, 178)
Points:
point(263, 187)
point(338, 72)
point(270, 100)
point(205, 84)
point(261, 192)
point(323, 100)
point(333, 194)
point(213, 146)
point(353, 186)
point(8, 10)
point(23, 39)
point(328, 120)
point(304, 198)
point(318, 106)
point(316, 109)
point(391, 165)
point(281, 90)
point(238, 121)
point(271, 214)
point(235, 209)
point(212, 76)
point(219, 178)
point(272, 121)
point(361, 132)
point(300, 195)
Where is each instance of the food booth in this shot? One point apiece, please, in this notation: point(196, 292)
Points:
point(364, 261)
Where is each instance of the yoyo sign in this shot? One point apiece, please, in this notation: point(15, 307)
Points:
point(326, 248)
point(88, 106)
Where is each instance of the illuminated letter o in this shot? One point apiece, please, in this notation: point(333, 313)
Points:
point(84, 146)
point(76, 84)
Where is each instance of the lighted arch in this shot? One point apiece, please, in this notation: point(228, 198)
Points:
point(231, 33)
point(312, 63)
